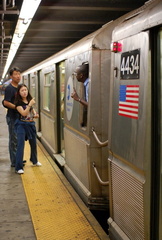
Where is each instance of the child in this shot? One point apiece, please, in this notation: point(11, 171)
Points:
point(25, 127)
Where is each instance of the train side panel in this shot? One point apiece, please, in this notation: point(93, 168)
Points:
point(130, 137)
point(48, 108)
point(76, 139)
point(82, 150)
point(134, 158)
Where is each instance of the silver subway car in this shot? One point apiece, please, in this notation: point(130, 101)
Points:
point(135, 139)
point(111, 153)
point(77, 139)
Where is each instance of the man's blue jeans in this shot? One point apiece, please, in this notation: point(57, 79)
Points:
point(12, 140)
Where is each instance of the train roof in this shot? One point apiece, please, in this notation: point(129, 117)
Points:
point(145, 17)
point(149, 15)
point(99, 39)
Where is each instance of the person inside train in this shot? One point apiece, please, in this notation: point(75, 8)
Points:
point(12, 115)
point(82, 73)
point(25, 127)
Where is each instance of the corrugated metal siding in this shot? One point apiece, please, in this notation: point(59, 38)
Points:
point(128, 205)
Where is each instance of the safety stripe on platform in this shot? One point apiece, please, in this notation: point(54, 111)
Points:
point(54, 213)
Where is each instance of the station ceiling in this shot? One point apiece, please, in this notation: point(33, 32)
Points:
point(56, 25)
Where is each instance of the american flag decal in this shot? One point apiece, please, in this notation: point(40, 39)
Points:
point(129, 100)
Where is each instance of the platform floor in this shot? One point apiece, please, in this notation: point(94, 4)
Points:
point(40, 204)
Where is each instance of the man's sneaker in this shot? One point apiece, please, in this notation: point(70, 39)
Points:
point(20, 171)
point(37, 164)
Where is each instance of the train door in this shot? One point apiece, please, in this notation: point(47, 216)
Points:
point(48, 111)
point(135, 149)
point(60, 76)
point(130, 140)
point(86, 156)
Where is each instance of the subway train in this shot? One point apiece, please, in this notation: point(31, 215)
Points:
point(114, 158)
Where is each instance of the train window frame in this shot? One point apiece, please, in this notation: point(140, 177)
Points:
point(32, 87)
point(83, 111)
point(46, 90)
point(47, 81)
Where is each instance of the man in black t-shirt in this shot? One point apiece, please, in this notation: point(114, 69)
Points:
point(12, 114)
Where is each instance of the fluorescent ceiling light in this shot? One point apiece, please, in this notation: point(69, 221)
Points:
point(28, 9)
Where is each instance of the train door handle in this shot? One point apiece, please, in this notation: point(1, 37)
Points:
point(98, 177)
point(102, 144)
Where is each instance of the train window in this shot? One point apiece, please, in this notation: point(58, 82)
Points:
point(62, 87)
point(46, 91)
point(62, 83)
point(82, 75)
point(32, 88)
point(83, 110)
point(25, 80)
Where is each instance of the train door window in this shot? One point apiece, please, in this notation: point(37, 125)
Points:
point(32, 87)
point(25, 80)
point(82, 75)
point(60, 75)
point(46, 91)
point(83, 110)
point(62, 86)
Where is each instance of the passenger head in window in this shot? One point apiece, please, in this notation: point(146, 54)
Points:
point(81, 73)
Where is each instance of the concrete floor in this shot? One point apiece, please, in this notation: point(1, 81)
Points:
point(15, 219)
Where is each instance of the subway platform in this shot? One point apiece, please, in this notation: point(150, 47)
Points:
point(40, 204)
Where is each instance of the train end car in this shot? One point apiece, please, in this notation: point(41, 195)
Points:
point(134, 134)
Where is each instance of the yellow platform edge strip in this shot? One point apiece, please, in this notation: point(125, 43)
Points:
point(55, 214)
